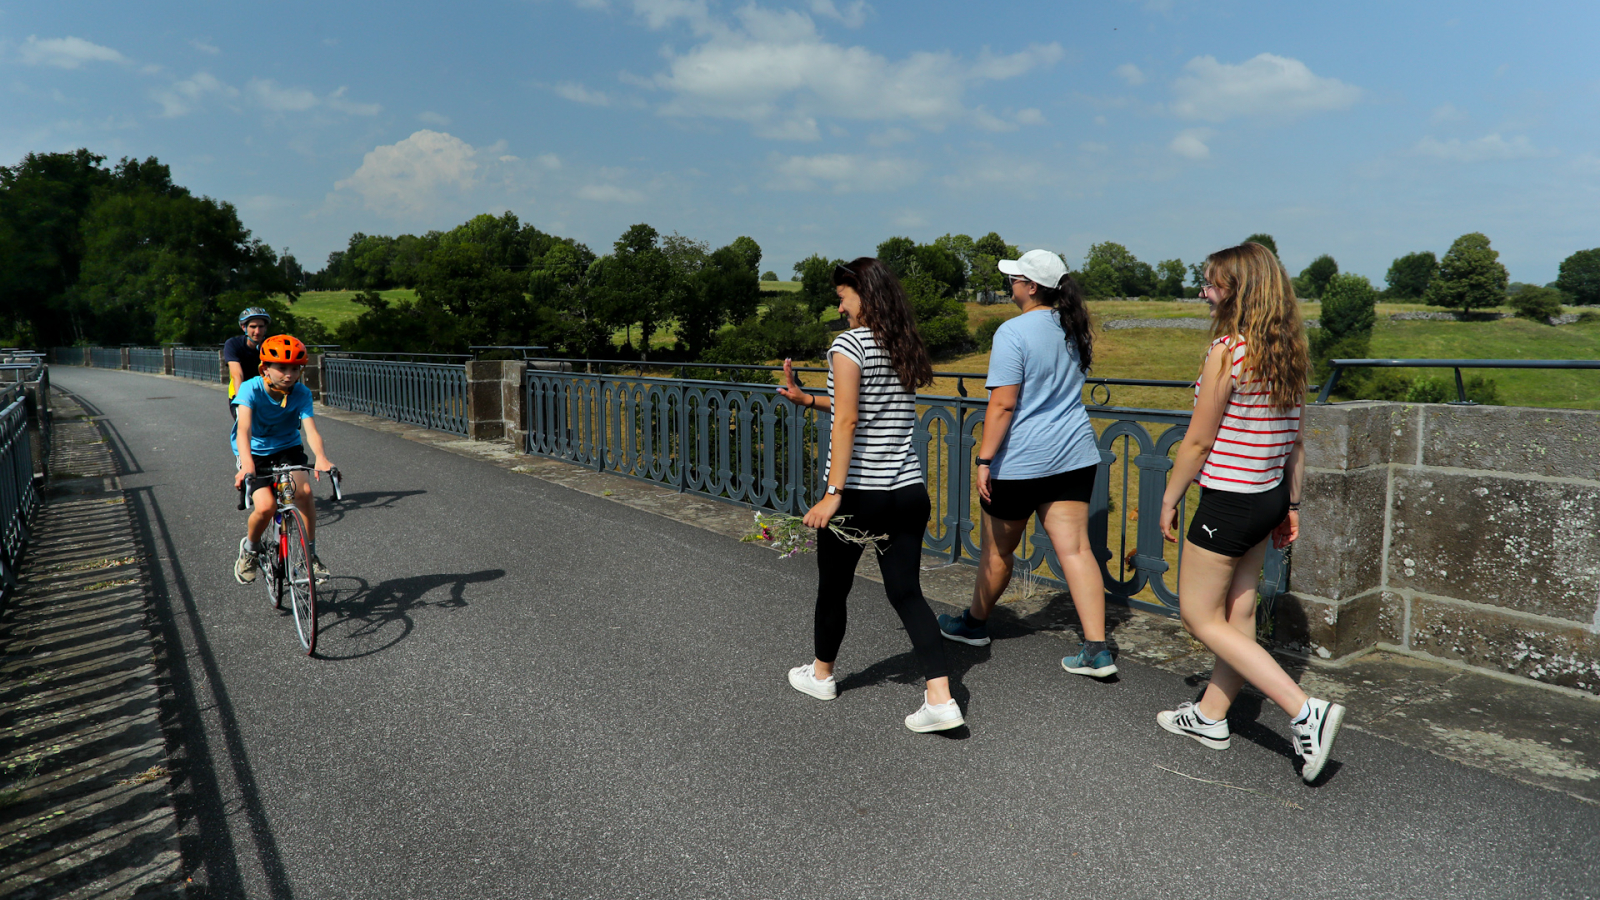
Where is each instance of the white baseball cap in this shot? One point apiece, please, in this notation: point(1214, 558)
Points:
point(1038, 266)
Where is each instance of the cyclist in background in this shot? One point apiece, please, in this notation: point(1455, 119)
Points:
point(271, 410)
point(242, 352)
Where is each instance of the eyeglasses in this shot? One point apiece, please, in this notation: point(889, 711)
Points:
point(842, 269)
point(1013, 279)
point(1204, 285)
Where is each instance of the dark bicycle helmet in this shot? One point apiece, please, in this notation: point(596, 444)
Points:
point(254, 312)
point(283, 349)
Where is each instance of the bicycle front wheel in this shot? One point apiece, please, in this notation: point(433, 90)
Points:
point(300, 580)
point(272, 563)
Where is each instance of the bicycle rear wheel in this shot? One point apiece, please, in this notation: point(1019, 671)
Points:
point(272, 562)
point(300, 580)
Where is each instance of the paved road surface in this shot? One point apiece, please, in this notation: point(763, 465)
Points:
point(526, 692)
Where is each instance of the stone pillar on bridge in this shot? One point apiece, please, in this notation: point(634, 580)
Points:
point(166, 360)
point(1464, 534)
point(494, 401)
point(311, 377)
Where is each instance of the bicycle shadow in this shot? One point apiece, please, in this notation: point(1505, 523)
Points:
point(371, 618)
point(330, 510)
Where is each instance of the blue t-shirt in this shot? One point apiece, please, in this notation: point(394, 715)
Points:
point(274, 424)
point(1050, 431)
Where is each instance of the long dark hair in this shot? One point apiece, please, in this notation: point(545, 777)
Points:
point(887, 313)
point(1067, 300)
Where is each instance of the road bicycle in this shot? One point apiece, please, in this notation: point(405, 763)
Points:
point(285, 553)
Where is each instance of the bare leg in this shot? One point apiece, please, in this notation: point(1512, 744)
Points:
point(306, 504)
point(998, 539)
point(1067, 523)
point(260, 514)
point(1216, 597)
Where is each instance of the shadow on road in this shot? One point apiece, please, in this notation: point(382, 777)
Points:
point(357, 619)
point(330, 511)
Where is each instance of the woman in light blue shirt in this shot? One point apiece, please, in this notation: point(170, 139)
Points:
point(1039, 454)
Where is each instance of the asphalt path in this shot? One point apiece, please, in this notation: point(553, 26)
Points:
point(528, 692)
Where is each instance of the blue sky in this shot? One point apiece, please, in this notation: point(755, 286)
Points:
point(1363, 130)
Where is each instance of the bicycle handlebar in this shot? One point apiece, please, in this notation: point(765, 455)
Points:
point(333, 475)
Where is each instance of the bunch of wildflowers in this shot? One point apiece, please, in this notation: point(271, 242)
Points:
point(789, 535)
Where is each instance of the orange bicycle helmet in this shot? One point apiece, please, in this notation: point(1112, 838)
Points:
point(283, 349)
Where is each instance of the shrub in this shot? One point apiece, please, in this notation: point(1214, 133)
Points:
point(1433, 389)
point(985, 334)
point(1538, 303)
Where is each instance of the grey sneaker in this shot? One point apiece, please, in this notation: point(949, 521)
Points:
point(319, 570)
point(943, 717)
point(804, 679)
point(247, 566)
point(1313, 738)
point(1097, 666)
point(1186, 720)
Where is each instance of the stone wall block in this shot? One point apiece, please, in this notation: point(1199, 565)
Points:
point(1568, 657)
point(1389, 625)
point(1353, 435)
point(1560, 443)
point(1326, 629)
point(1516, 543)
point(1340, 550)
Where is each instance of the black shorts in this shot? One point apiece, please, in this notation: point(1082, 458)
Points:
point(1230, 523)
point(1015, 499)
point(290, 456)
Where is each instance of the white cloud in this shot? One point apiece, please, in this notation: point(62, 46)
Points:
point(549, 161)
point(272, 96)
point(609, 193)
point(1447, 113)
point(411, 176)
point(775, 73)
point(1130, 73)
point(206, 47)
point(658, 14)
point(432, 118)
point(1268, 85)
point(1489, 147)
point(1191, 142)
point(844, 172)
point(67, 52)
point(336, 101)
point(852, 16)
point(184, 97)
point(577, 93)
point(1030, 116)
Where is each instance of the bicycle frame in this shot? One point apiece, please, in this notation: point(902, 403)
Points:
point(286, 558)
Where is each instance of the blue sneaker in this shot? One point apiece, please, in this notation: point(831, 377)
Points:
point(958, 628)
point(1098, 666)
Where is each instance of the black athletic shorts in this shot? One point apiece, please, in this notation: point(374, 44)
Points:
point(1015, 499)
point(290, 456)
point(1230, 523)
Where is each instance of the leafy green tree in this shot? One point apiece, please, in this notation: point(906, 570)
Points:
point(943, 266)
point(43, 199)
point(900, 255)
point(710, 289)
point(1316, 276)
point(987, 252)
point(1579, 277)
point(1112, 271)
point(1169, 278)
point(964, 248)
point(1537, 303)
point(368, 258)
point(769, 275)
point(941, 318)
point(815, 274)
point(1409, 275)
point(639, 281)
point(1470, 276)
point(749, 252)
point(1264, 240)
point(1348, 313)
point(486, 300)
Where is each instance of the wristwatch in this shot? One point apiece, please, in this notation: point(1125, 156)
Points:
point(985, 462)
point(831, 490)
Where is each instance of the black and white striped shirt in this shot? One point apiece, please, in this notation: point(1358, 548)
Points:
point(882, 457)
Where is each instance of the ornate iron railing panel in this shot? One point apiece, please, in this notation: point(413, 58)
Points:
point(18, 496)
point(106, 357)
point(432, 395)
point(146, 359)
point(743, 444)
point(201, 365)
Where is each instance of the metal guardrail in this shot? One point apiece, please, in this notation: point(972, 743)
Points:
point(105, 357)
point(1339, 365)
point(743, 444)
point(66, 356)
point(147, 359)
point(19, 497)
point(200, 365)
point(433, 395)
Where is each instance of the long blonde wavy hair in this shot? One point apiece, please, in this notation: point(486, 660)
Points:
point(1257, 302)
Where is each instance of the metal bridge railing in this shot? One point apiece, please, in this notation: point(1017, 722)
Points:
point(430, 394)
point(201, 365)
point(106, 357)
point(744, 444)
point(66, 356)
point(19, 497)
point(147, 359)
point(1339, 365)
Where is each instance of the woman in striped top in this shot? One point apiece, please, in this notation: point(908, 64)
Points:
point(1243, 446)
point(875, 483)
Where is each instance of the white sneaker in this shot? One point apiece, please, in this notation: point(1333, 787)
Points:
point(943, 717)
point(246, 566)
point(804, 679)
point(1186, 720)
point(1313, 738)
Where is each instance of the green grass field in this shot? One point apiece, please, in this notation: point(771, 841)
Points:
point(334, 308)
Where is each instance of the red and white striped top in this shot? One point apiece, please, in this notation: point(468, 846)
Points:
point(1254, 441)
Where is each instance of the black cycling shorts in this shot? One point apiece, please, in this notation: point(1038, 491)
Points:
point(1230, 523)
point(289, 456)
point(1015, 499)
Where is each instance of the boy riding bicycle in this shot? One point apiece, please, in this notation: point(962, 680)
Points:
point(272, 409)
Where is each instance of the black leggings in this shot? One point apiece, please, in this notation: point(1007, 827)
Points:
point(902, 514)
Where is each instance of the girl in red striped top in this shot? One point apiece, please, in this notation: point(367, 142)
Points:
point(1243, 447)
